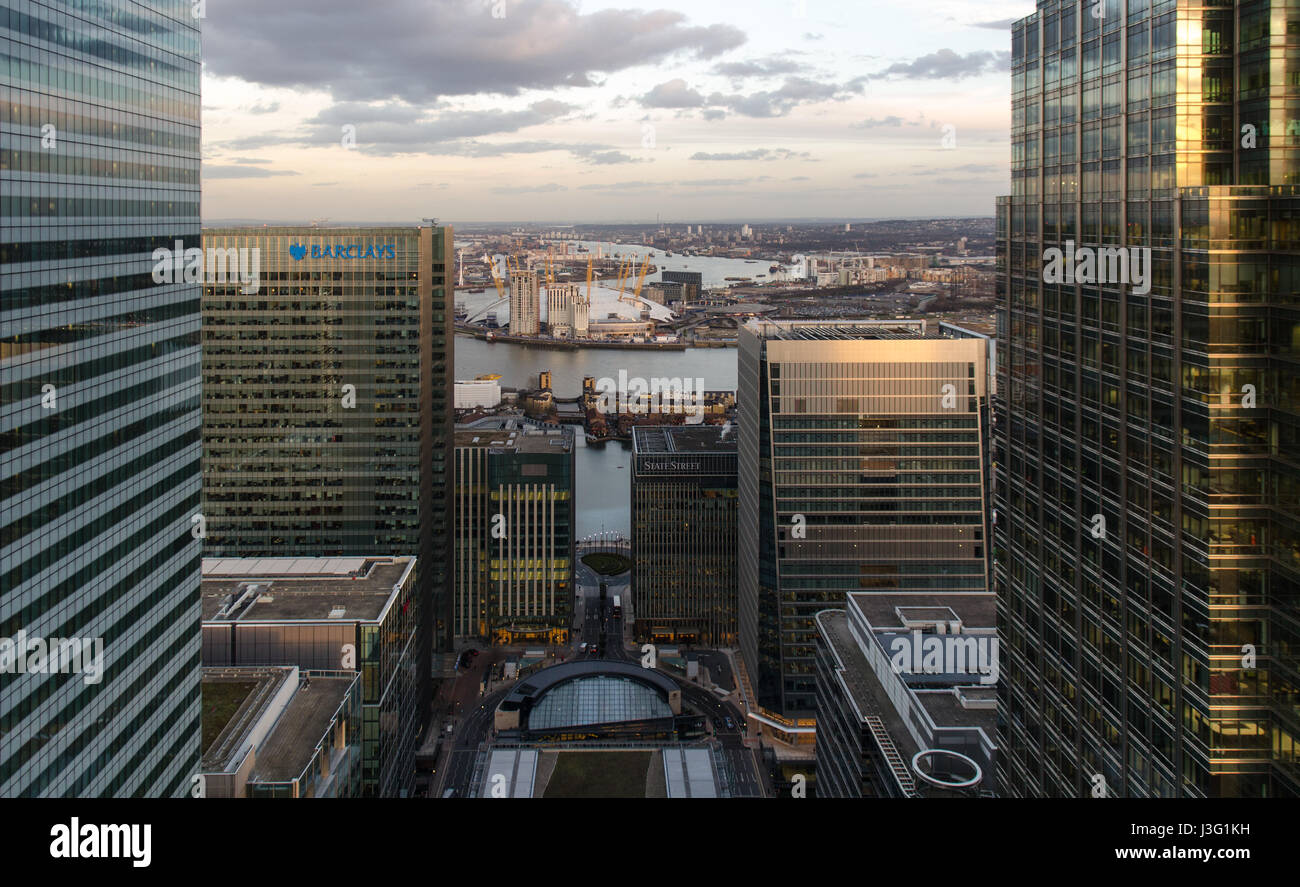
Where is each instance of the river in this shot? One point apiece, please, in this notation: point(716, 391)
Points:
point(604, 488)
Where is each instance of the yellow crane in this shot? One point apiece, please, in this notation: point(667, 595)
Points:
point(496, 278)
point(624, 271)
point(640, 281)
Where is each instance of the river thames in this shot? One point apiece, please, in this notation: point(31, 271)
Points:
point(604, 485)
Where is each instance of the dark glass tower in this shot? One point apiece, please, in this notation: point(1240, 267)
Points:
point(860, 468)
point(1147, 541)
point(99, 394)
point(327, 422)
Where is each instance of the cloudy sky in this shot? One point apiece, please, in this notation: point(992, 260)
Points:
point(587, 110)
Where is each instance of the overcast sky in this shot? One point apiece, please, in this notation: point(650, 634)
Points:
point(585, 110)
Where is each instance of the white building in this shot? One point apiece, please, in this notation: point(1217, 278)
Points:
point(477, 394)
point(525, 304)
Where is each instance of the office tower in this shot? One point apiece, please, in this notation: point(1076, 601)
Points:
point(327, 403)
point(514, 532)
point(684, 534)
point(525, 304)
point(692, 283)
point(906, 696)
point(99, 396)
point(561, 306)
point(860, 469)
point(1147, 534)
point(332, 614)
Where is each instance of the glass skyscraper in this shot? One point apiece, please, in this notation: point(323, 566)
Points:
point(860, 468)
point(99, 396)
point(1147, 447)
point(327, 421)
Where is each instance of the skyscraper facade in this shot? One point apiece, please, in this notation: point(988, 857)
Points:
point(514, 543)
point(684, 533)
point(525, 304)
point(99, 396)
point(861, 468)
point(327, 407)
point(1147, 535)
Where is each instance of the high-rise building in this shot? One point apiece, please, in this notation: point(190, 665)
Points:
point(561, 308)
point(514, 543)
point(906, 696)
point(684, 533)
point(525, 304)
point(861, 468)
point(332, 614)
point(328, 404)
point(1147, 540)
point(99, 396)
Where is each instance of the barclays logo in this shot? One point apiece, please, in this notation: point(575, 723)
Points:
point(343, 251)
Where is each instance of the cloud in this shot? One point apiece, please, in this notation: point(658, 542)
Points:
point(619, 186)
point(874, 122)
point(865, 175)
point(755, 154)
point(421, 50)
point(999, 25)
point(768, 67)
point(548, 188)
point(393, 128)
point(259, 108)
point(948, 65)
point(672, 94)
point(242, 172)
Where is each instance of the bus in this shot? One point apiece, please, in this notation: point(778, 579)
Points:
point(618, 608)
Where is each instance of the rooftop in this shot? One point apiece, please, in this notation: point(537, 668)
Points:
point(293, 741)
point(831, 330)
point(945, 707)
point(901, 610)
point(670, 439)
point(301, 589)
point(518, 440)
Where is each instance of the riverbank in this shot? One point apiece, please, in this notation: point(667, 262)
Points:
point(564, 345)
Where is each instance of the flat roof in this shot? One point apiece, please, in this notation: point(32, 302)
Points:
point(289, 748)
point(668, 439)
point(520, 440)
point(300, 589)
point(976, 610)
point(942, 705)
point(838, 329)
point(266, 681)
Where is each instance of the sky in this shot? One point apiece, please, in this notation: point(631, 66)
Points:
point(582, 111)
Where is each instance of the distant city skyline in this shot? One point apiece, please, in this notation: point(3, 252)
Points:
point(563, 111)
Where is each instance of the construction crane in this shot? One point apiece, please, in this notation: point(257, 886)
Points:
point(496, 278)
point(624, 271)
point(640, 281)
